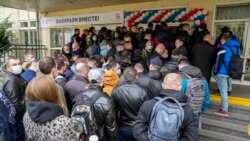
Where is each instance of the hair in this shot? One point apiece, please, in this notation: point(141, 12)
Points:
point(43, 88)
point(46, 65)
point(91, 29)
point(183, 60)
point(82, 60)
point(85, 30)
point(139, 66)
point(81, 68)
point(128, 35)
point(130, 74)
point(76, 29)
point(27, 52)
point(176, 52)
point(164, 70)
point(59, 63)
point(225, 37)
point(11, 58)
point(181, 38)
point(111, 65)
point(151, 25)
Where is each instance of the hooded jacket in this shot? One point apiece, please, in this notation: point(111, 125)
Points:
point(45, 121)
point(195, 72)
point(188, 130)
point(110, 81)
point(224, 56)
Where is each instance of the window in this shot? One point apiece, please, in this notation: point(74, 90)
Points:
point(247, 71)
point(56, 37)
point(24, 37)
point(60, 36)
point(33, 24)
point(33, 37)
point(233, 12)
point(23, 24)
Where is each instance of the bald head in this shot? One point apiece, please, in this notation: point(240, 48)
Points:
point(82, 69)
point(172, 81)
point(139, 67)
point(160, 48)
point(208, 38)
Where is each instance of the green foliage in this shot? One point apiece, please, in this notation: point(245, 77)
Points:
point(6, 36)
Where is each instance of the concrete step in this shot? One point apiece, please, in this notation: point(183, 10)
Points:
point(226, 128)
point(233, 118)
point(215, 136)
point(232, 108)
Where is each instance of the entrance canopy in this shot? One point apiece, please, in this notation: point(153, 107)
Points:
point(58, 5)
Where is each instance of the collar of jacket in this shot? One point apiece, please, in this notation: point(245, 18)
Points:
point(41, 111)
point(60, 74)
point(93, 86)
point(182, 98)
point(155, 74)
point(80, 78)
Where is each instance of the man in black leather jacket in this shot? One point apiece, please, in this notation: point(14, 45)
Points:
point(152, 81)
point(128, 99)
point(14, 88)
point(104, 107)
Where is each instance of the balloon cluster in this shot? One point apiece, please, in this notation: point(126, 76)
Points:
point(198, 15)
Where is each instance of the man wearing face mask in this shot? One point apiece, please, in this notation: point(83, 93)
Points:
point(14, 88)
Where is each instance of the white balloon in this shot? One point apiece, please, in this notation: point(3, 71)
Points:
point(204, 12)
point(197, 22)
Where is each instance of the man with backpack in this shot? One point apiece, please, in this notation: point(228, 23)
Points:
point(167, 116)
point(100, 119)
point(195, 86)
point(228, 65)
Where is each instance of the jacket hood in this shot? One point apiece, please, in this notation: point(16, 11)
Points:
point(192, 71)
point(182, 98)
point(41, 112)
point(155, 74)
point(232, 43)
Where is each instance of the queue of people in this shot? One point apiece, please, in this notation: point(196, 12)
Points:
point(115, 85)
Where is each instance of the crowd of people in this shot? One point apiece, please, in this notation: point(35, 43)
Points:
point(124, 85)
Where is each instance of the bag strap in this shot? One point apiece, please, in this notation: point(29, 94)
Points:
point(188, 76)
point(94, 98)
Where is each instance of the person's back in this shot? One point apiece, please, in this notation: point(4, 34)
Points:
point(104, 112)
point(128, 99)
point(203, 56)
point(45, 117)
point(188, 128)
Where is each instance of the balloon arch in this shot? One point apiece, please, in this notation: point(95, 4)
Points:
point(198, 15)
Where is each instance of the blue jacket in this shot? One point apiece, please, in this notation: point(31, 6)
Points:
point(206, 103)
point(224, 56)
point(28, 75)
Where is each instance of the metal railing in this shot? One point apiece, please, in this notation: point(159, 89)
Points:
point(18, 51)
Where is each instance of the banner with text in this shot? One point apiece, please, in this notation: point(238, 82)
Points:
point(101, 18)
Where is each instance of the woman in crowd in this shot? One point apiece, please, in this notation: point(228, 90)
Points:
point(45, 118)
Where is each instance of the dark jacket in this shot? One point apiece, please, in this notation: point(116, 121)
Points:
point(184, 51)
point(200, 35)
point(104, 110)
point(128, 99)
point(7, 119)
point(203, 57)
point(61, 80)
point(111, 52)
point(14, 88)
point(188, 131)
point(151, 83)
point(76, 85)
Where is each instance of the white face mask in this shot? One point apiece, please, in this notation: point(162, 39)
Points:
point(94, 38)
point(17, 69)
point(67, 52)
point(149, 48)
point(118, 71)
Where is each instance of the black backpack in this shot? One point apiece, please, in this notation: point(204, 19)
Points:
point(235, 70)
point(83, 108)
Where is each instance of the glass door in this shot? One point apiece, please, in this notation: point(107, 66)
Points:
point(241, 30)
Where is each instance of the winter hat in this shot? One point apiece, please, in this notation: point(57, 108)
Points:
point(96, 75)
point(110, 80)
point(156, 61)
